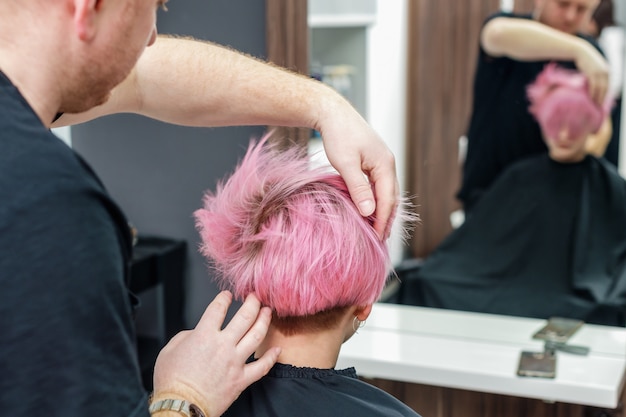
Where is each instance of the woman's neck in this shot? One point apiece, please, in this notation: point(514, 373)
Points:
point(312, 350)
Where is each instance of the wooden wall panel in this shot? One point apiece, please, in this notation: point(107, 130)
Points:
point(287, 40)
point(434, 401)
point(523, 6)
point(442, 50)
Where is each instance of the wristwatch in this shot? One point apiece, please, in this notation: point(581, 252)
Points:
point(181, 406)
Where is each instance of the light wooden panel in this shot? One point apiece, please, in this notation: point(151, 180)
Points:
point(287, 46)
point(434, 401)
point(523, 6)
point(442, 51)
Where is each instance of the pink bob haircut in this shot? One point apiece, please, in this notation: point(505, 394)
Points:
point(560, 98)
point(291, 235)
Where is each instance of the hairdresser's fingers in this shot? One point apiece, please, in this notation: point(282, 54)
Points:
point(254, 371)
point(250, 320)
point(387, 189)
point(596, 68)
point(251, 340)
point(214, 315)
point(359, 187)
point(368, 167)
point(363, 159)
point(598, 86)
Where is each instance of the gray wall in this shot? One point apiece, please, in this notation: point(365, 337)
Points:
point(620, 12)
point(158, 172)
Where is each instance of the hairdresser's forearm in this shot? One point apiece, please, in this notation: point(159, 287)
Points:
point(528, 40)
point(598, 142)
point(214, 86)
point(197, 83)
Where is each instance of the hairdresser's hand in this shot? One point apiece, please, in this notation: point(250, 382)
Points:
point(590, 62)
point(359, 155)
point(206, 365)
point(597, 143)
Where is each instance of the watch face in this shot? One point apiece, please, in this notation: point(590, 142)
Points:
point(195, 411)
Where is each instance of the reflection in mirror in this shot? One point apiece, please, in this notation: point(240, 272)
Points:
point(537, 245)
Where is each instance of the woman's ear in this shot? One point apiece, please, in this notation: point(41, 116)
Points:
point(85, 18)
point(363, 312)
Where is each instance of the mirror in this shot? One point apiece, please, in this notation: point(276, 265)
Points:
point(436, 52)
point(462, 277)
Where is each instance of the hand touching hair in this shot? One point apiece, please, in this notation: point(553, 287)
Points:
point(292, 235)
point(559, 98)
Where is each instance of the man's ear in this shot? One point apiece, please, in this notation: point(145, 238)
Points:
point(85, 18)
point(363, 312)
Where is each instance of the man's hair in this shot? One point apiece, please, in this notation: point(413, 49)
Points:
point(560, 98)
point(291, 235)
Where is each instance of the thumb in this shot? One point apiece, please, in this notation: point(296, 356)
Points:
point(360, 191)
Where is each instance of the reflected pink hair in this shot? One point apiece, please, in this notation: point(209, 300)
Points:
point(292, 235)
point(560, 98)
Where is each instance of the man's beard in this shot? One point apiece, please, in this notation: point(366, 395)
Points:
point(78, 105)
point(93, 84)
point(90, 90)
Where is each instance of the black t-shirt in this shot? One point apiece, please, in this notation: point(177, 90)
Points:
point(68, 340)
point(288, 391)
point(501, 130)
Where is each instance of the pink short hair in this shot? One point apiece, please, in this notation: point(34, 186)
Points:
point(291, 235)
point(560, 98)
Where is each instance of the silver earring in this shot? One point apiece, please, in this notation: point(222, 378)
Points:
point(357, 324)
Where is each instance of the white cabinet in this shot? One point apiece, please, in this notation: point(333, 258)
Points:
point(370, 36)
point(338, 48)
point(341, 13)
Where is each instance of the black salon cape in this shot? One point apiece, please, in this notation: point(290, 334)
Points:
point(289, 391)
point(547, 239)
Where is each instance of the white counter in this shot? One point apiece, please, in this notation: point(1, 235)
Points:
point(480, 352)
